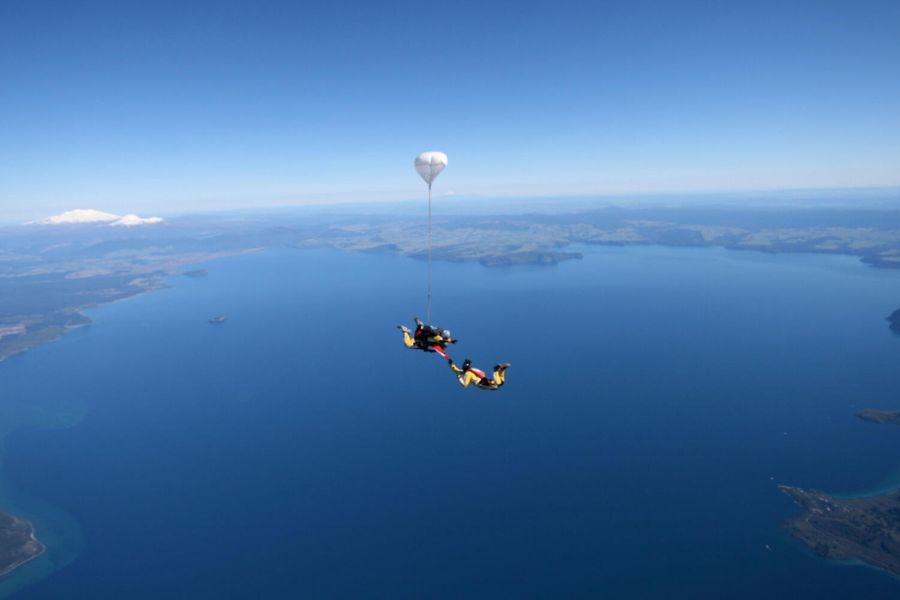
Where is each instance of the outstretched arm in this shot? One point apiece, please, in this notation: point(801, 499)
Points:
point(464, 377)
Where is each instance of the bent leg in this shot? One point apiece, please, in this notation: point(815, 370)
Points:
point(408, 340)
point(500, 374)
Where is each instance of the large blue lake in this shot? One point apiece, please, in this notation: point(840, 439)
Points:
point(657, 398)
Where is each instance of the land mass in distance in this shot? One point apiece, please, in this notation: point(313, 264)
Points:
point(50, 274)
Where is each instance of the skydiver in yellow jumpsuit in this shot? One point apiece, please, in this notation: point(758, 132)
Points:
point(469, 374)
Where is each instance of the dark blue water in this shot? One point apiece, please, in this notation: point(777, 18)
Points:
point(656, 399)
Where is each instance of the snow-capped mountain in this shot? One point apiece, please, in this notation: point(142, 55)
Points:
point(83, 216)
point(133, 220)
point(78, 216)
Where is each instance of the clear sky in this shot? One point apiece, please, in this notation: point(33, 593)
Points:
point(161, 106)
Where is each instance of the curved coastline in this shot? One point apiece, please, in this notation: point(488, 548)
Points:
point(56, 530)
point(3, 592)
point(851, 528)
point(31, 549)
point(58, 533)
point(61, 538)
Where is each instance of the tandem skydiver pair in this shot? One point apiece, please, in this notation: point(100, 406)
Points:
point(435, 339)
point(429, 338)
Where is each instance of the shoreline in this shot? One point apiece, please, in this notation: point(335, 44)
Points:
point(246, 266)
point(862, 527)
point(155, 284)
point(66, 329)
point(573, 250)
point(32, 539)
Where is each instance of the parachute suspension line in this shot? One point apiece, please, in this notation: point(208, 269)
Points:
point(428, 166)
point(428, 295)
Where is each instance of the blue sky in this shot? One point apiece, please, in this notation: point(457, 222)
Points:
point(176, 106)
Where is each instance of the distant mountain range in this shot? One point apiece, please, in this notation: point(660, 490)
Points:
point(91, 216)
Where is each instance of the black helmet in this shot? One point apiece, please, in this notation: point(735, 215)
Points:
point(466, 364)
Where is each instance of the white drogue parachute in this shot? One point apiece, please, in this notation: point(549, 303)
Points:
point(429, 165)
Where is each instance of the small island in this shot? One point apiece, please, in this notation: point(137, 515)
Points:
point(894, 320)
point(217, 320)
point(17, 543)
point(873, 415)
point(865, 529)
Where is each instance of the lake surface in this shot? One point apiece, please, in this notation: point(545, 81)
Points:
point(656, 399)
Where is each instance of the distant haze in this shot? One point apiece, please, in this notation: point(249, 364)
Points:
point(152, 108)
point(412, 209)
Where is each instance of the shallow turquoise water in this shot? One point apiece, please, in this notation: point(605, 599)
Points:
point(656, 399)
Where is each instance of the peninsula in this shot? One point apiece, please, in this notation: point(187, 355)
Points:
point(17, 543)
point(894, 320)
point(865, 529)
point(50, 275)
